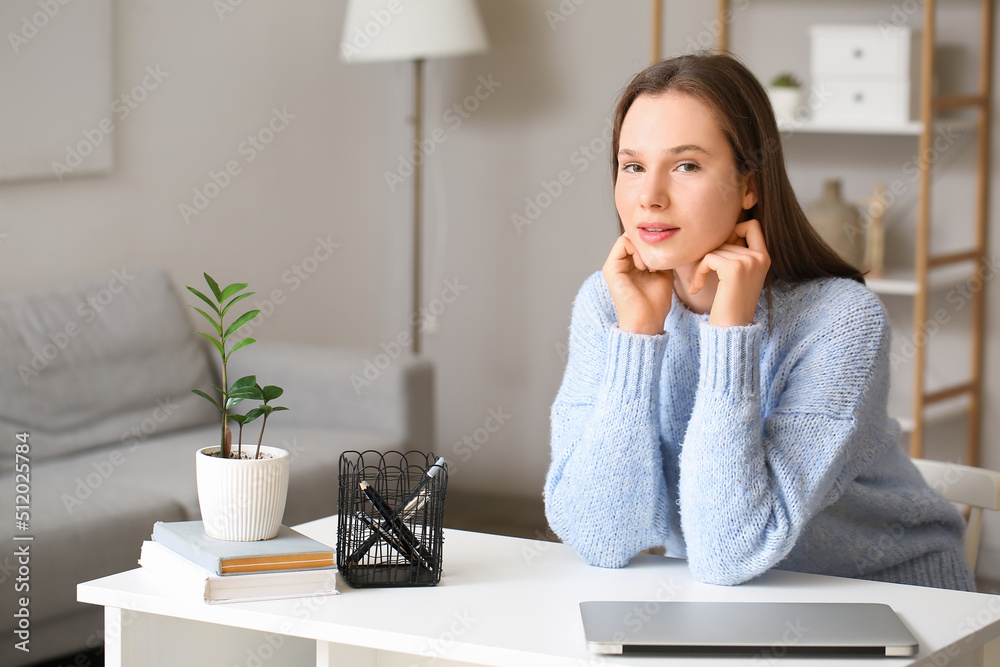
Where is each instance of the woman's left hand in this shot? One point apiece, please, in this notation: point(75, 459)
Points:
point(741, 265)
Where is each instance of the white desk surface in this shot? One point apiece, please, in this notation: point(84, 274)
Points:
point(509, 601)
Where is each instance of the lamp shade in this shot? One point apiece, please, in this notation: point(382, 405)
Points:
point(378, 30)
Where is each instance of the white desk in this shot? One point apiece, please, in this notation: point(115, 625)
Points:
point(501, 601)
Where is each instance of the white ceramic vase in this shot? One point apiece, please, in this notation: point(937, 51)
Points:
point(242, 500)
point(786, 102)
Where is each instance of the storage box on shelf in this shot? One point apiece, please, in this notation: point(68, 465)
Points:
point(865, 73)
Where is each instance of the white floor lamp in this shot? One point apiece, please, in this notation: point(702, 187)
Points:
point(386, 30)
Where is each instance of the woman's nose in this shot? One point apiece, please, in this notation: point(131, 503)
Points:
point(653, 193)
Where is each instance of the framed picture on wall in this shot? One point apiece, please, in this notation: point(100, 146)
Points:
point(55, 89)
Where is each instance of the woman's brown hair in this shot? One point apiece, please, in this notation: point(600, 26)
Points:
point(744, 115)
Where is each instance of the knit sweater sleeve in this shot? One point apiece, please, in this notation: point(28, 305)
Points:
point(750, 481)
point(605, 493)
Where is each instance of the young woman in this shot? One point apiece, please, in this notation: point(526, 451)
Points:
point(725, 393)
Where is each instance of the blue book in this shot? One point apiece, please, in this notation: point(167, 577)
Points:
point(289, 550)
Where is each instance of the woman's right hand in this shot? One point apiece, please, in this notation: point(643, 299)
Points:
point(641, 297)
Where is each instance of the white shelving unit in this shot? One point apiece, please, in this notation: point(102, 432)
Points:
point(903, 282)
point(912, 129)
point(930, 272)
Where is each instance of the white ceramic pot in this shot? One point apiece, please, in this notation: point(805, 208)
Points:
point(242, 500)
point(786, 102)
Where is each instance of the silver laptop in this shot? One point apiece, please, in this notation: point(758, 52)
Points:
point(765, 629)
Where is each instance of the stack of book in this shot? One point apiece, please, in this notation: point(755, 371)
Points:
point(287, 566)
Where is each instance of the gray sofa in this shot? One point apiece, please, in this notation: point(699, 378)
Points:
point(99, 374)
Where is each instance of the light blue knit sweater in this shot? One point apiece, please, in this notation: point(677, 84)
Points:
point(745, 448)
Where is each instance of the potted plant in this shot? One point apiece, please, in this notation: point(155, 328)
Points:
point(785, 93)
point(241, 495)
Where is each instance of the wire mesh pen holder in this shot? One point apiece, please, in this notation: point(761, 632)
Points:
point(390, 529)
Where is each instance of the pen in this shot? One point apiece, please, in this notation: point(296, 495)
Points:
point(377, 528)
point(414, 502)
point(410, 542)
point(418, 496)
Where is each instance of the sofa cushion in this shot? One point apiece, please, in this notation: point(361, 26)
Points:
point(109, 360)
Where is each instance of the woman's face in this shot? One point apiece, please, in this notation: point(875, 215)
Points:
point(678, 193)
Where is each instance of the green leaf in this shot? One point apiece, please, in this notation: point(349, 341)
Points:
point(216, 343)
point(214, 402)
point(230, 304)
point(245, 381)
point(243, 343)
point(233, 402)
point(278, 408)
point(238, 418)
point(204, 298)
point(231, 290)
point(243, 319)
point(246, 390)
point(218, 327)
point(253, 414)
point(215, 288)
point(271, 392)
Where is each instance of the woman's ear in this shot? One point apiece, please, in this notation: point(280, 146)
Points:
point(750, 196)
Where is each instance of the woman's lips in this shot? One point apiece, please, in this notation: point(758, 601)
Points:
point(651, 233)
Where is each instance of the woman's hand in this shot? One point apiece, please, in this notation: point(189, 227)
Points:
point(741, 265)
point(641, 297)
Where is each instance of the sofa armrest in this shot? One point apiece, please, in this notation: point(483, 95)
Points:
point(343, 388)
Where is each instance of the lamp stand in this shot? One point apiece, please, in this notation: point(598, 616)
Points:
point(418, 127)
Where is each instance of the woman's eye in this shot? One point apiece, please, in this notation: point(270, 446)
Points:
point(632, 168)
point(688, 167)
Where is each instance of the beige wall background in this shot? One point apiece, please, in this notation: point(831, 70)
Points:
point(518, 206)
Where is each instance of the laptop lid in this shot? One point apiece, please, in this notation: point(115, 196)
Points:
point(767, 629)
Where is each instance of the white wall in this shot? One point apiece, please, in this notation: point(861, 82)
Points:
point(221, 80)
point(499, 344)
point(538, 149)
